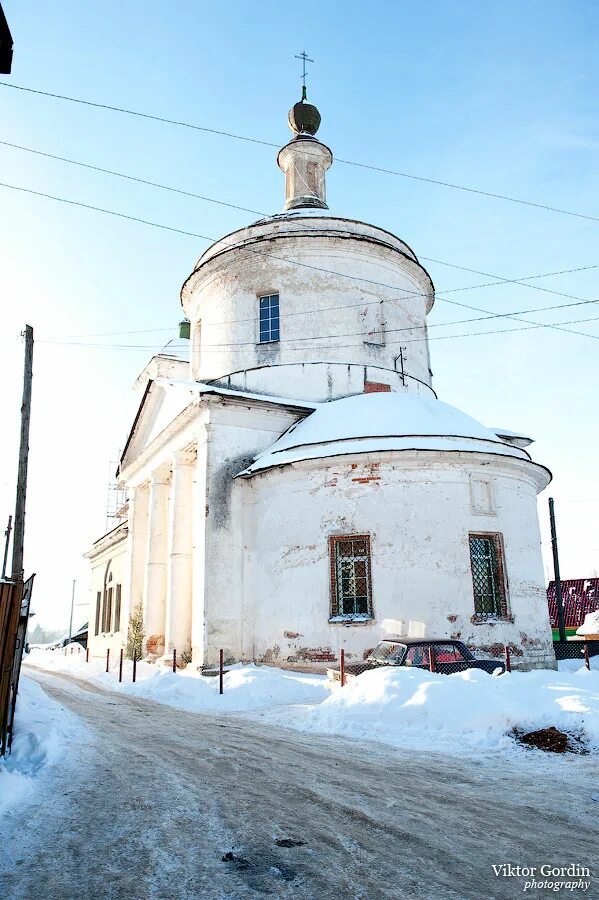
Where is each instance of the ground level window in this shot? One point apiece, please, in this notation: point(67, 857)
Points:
point(488, 575)
point(351, 583)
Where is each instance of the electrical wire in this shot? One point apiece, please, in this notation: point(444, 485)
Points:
point(262, 253)
point(155, 184)
point(241, 137)
point(218, 348)
point(321, 309)
point(439, 295)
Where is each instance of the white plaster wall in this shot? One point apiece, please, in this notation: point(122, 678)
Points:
point(234, 434)
point(417, 509)
point(119, 558)
point(323, 316)
point(321, 381)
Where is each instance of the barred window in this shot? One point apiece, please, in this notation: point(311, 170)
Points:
point(488, 575)
point(269, 318)
point(108, 621)
point(351, 582)
point(98, 611)
point(117, 608)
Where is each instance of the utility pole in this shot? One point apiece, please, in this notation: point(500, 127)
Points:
point(19, 532)
point(72, 608)
point(6, 544)
point(558, 583)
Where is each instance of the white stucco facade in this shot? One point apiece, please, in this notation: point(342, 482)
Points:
point(253, 467)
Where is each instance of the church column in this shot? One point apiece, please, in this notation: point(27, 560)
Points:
point(199, 514)
point(156, 564)
point(137, 523)
point(178, 594)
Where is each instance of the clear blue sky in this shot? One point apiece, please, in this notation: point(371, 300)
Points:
point(498, 96)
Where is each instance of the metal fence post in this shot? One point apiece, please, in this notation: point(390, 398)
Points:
point(431, 658)
point(342, 666)
point(174, 660)
point(71, 649)
point(221, 662)
point(107, 658)
point(121, 666)
point(134, 664)
point(87, 654)
point(508, 659)
point(587, 659)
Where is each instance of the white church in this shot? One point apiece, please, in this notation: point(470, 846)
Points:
point(295, 486)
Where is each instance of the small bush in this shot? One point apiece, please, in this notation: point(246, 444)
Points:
point(135, 632)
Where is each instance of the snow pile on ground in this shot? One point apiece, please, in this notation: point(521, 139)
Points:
point(246, 688)
point(405, 707)
point(461, 712)
point(40, 730)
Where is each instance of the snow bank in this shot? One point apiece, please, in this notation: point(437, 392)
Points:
point(42, 727)
point(462, 713)
point(245, 687)
point(459, 713)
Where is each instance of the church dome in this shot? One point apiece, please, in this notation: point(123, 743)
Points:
point(379, 422)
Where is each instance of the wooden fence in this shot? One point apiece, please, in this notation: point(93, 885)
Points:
point(11, 594)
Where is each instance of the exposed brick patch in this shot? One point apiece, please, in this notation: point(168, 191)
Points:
point(292, 635)
point(452, 618)
point(477, 619)
point(316, 654)
point(375, 387)
point(367, 479)
point(526, 641)
point(271, 654)
point(498, 649)
point(155, 644)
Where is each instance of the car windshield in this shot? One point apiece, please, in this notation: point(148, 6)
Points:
point(388, 652)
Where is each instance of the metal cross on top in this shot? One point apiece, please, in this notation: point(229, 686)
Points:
point(304, 58)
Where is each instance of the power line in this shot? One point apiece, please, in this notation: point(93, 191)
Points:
point(217, 348)
point(320, 309)
point(439, 295)
point(170, 228)
point(241, 137)
point(163, 187)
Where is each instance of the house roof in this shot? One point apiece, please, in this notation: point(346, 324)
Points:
point(375, 422)
point(200, 387)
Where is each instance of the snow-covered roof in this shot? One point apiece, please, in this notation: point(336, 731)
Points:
point(590, 624)
point(200, 387)
point(368, 423)
point(513, 437)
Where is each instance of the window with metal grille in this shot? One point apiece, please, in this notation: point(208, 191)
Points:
point(269, 318)
point(108, 622)
point(351, 581)
point(488, 575)
point(117, 608)
point(98, 611)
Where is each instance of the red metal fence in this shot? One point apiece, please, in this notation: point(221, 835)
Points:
point(580, 596)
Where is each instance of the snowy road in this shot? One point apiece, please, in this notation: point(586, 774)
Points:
point(146, 809)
